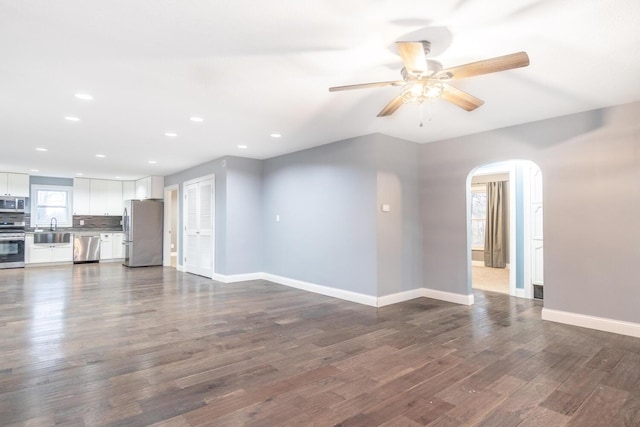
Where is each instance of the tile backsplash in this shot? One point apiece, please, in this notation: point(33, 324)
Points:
point(97, 221)
point(13, 217)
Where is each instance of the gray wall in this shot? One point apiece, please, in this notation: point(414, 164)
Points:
point(590, 164)
point(48, 180)
point(238, 247)
point(399, 232)
point(326, 200)
point(244, 249)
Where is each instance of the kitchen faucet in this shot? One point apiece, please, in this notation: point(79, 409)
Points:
point(53, 226)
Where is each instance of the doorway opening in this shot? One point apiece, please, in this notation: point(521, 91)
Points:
point(505, 240)
point(171, 230)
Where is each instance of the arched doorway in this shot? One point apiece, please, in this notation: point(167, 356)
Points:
point(504, 229)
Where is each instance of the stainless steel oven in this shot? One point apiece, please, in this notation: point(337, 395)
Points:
point(12, 204)
point(12, 237)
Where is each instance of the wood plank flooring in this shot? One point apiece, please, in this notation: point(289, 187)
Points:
point(103, 345)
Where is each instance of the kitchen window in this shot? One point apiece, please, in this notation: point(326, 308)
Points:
point(51, 201)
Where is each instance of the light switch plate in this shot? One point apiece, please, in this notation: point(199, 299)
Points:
point(386, 208)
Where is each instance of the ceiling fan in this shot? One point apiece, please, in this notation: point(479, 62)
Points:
point(425, 80)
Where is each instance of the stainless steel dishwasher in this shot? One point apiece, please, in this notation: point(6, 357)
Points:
point(86, 249)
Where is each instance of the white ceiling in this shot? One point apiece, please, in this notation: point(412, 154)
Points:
point(250, 68)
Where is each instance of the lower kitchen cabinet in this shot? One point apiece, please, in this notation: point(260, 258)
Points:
point(47, 252)
point(111, 247)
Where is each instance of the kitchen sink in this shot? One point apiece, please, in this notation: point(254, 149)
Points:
point(51, 237)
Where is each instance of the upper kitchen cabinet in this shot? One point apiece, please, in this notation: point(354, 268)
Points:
point(151, 187)
point(128, 190)
point(97, 197)
point(14, 184)
point(81, 196)
point(105, 197)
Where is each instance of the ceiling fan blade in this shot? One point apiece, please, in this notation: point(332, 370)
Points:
point(491, 65)
point(391, 107)
point(414, 56)
point(366, 85)
point(460, 98)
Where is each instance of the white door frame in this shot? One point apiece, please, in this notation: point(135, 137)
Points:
point(168, 212)
point(501, 167)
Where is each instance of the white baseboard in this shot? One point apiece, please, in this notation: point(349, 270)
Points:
point(343, 294)
point(477, 263)
point(448, 296)
point(179, 267)
point(520, 293)
point(233, 278)
point(400, 297)
point(592, 322)
point(323, 290)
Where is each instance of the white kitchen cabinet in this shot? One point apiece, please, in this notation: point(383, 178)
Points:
point(81, 196)
point(114, 198)
point(47, 253)
point(128, 190)
point(106, 246)
point(111, 246)
point(118, 247)
point(105, 197)
point(150, 187)
point(14, 184)
point(97, 197)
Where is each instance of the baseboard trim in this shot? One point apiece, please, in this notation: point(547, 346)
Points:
point(234, 278)
point(592, 322)
point(477, 263)
point(520, 293)
point(179, 268)
point(346, 295)
point(448, 296)
point(322, 290)
point(400, 297)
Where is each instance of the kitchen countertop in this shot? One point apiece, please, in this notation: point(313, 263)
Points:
point(84, 231)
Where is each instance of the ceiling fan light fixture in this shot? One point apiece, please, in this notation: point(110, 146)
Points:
point(418, 92)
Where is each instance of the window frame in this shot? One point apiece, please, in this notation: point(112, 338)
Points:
point(34, 204)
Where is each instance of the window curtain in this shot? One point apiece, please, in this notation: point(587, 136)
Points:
point(495, 241)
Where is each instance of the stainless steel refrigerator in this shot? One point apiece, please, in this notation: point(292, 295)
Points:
point(142, 226)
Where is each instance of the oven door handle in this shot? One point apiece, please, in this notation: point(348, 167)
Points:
point(11, 239)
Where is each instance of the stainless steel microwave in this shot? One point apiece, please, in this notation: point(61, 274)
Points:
point(12, 204)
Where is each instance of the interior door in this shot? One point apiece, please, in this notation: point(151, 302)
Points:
point(198, 228)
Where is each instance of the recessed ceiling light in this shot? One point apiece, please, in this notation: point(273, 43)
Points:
point(102, 156)
point(118, 177)
point(84, 96)
point(41, 149)
point(153, 162)
point(196, 119)
point(170, 134)
point(242, 146)
point(34, 170)
point(72, 118)
point(275, 135)
point(79, 173)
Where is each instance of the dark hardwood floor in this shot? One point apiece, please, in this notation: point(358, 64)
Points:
point(101, 345)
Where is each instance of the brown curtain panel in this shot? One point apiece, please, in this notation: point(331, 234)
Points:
point(495, 240)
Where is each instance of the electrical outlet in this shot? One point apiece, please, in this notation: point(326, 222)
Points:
point(82, 222)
